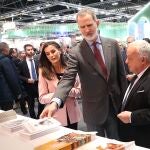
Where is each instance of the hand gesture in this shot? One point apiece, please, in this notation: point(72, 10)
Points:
point(49, 110)
point(125, 116)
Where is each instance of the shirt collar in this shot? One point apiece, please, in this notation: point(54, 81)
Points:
point(27, 58)
point(141, 73)
point(98, 40)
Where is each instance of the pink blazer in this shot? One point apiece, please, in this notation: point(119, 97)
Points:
point(46, 90)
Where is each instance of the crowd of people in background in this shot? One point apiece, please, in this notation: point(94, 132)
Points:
point(111, 78)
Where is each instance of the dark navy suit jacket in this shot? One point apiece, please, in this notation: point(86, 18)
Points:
point(9, 84)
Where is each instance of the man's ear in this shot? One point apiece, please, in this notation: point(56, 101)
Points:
point(143, 59)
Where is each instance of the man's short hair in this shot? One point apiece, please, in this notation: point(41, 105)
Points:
point(42, 43)
point(86, 11)
point(26, 45)
point(143, 48)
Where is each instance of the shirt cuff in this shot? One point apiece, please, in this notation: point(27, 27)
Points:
point(130, 118)
point(57, 100)
point(19, 96)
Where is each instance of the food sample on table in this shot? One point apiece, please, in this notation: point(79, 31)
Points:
point(112, 146)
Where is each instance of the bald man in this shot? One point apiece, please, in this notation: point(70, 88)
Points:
point(135, 111)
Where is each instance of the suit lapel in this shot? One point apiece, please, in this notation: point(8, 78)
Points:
point(137, 85)
point(26, 68)
point(89, 56)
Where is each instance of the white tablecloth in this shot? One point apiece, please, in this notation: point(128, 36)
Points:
point(13, 141)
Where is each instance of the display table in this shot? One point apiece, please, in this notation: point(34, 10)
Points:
point(13, 141)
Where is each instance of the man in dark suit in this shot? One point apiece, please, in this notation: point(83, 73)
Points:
point(9, 83)
point(135, 111)
point(29, 77)
point(98, 62)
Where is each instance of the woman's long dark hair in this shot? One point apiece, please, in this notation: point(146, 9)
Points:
point(46, 66)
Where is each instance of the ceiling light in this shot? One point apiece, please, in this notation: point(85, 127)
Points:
point(96, 10)
point(115, 3)
point(43, 16)
point(48, 5)
point(57, 15)
point(34, 23)
point(102, 12)
point(38, 8)
point(9, 25)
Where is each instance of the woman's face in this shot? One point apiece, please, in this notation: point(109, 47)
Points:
point(53, 54)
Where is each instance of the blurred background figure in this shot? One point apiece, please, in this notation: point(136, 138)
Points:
point(41, 46)
point(130, 39)
point(13, 53)
point(29, 75)
point(22, 55)
point(9, 82)
point(124, 56)
point(37, 56)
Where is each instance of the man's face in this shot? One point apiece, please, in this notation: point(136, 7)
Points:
point(29, 51)
point(6, 50)
point(88, 27)
point(134, 60)
point(130, 40)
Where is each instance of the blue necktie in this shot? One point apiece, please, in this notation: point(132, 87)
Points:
point(33, 70)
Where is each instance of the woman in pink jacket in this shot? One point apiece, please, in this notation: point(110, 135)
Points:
point(51, 69)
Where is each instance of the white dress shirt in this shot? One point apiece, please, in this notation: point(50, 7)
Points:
point(28, 60)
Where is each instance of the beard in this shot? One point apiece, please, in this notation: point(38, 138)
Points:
point(91, 37)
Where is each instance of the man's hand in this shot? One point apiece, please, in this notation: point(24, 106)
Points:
point(125, 116)
point(49, 110)
point(31, 81)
